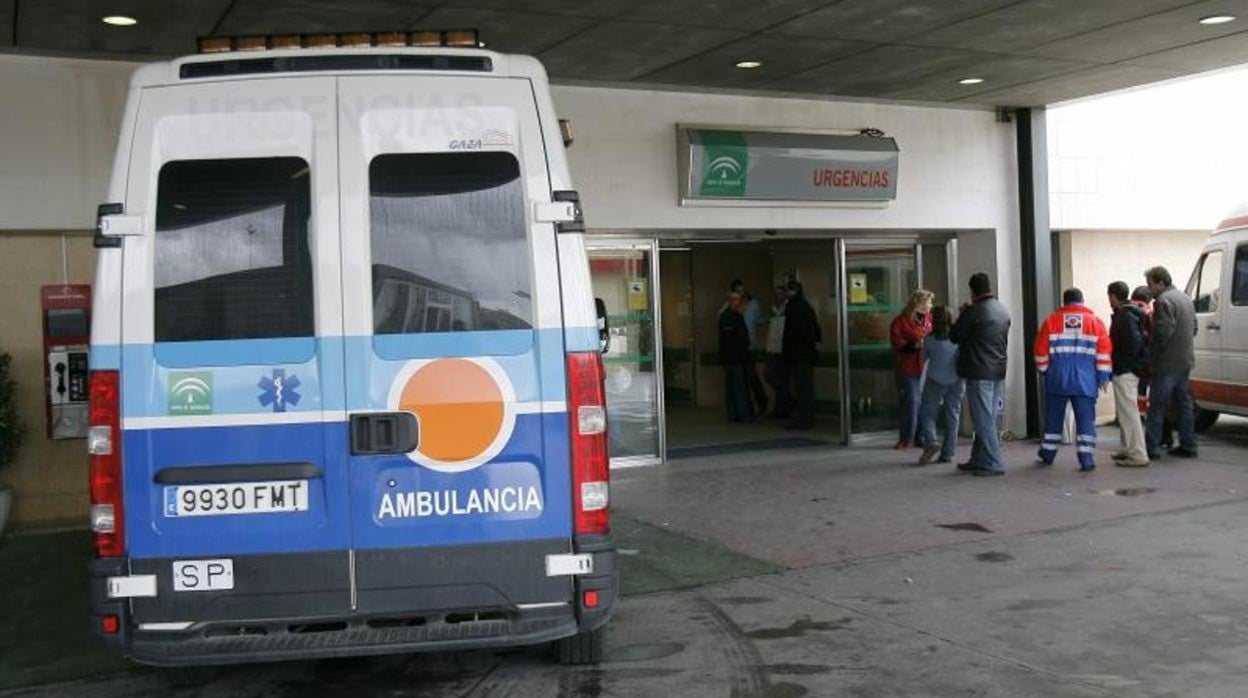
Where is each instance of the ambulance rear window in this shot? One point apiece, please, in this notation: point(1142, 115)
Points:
point(232, 258)
point(449, 248)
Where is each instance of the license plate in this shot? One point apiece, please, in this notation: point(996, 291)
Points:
point(241, 498)
point(203, 575)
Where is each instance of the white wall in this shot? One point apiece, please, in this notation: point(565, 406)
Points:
point(957, 172)
point(1167, 157)
point(58, 130)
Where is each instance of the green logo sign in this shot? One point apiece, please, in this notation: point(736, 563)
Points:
point(190, 393)
point(725, 162)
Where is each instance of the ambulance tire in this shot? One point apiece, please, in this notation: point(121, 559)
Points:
point(1205, 419)
point(187, 676)
point(581, 648)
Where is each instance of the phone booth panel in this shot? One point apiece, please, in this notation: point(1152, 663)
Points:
point(66, 314)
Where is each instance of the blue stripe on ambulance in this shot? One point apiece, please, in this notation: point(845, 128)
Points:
point(436, 508)
point(449, 515)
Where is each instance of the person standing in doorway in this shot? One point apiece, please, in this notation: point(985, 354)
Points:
point(982, 334)
point(1171, 357)
point(775, 372)
point(800, 348)
point(906, 336)
point(943, 388)
point(1130, 359)
point(734, 345)
point(754, 322)
point(1073, 352)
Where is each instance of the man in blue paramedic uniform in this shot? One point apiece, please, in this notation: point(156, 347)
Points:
point(1073, 352)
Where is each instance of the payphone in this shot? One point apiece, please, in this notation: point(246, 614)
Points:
point(66, 311)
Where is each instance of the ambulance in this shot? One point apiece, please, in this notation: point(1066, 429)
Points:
point(346, 392)
point(1219, 290)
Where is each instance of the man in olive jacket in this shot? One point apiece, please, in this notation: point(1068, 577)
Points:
point(1171, 358)
point(982, 334)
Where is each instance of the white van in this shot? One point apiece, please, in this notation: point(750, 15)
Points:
point(1219, 289)
point(346, 391)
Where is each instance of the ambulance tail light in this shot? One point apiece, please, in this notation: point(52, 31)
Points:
point(587, 410)
point(104, 447)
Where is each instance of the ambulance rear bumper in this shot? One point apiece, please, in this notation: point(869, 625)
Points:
point(431, 617)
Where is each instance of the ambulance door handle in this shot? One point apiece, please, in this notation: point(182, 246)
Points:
point(1213, 327)
point(378, 433)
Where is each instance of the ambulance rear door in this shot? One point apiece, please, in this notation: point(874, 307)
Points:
point(460, 482)
point(232, 396)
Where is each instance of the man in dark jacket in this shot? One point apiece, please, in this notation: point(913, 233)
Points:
point(1130, 360)
point(982, 334)
point(1171, 357)
point(799, 349)
point(734, 350)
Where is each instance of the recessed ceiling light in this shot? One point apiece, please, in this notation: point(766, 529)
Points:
point(749, 65)
point(970, 81)
point(120, 21)
point(1217, 19)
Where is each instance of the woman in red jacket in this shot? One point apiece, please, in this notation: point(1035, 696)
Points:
point(906, 334)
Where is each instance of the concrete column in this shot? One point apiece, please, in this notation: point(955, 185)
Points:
point(1039, 295)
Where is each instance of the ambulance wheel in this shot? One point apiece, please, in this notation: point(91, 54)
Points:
point(581, 648)
point(1205, 419)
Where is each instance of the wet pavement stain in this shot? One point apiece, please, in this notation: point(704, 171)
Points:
point(585, 684)
point(797, 669)
point(1125, 491)
point(798, 628)
point(994, 556)
point(785, 690)
point(1034, 605)
point(626, 673)
point(645, 652)
point(969, 526)
point(743, 600)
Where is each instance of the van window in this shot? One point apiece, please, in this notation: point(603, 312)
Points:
point(232, 257)
point(1206, 295)
point(449, 247)
point(1239, 285)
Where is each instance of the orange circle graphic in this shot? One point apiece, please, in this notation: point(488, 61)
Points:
point(459, 406)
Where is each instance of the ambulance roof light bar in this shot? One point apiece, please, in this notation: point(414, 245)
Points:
point(454, 38)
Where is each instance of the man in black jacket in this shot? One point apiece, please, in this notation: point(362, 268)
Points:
point(982, 334)
point(799, 350)
point(1130, 358)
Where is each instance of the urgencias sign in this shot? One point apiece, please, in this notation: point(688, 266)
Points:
point(722, 165)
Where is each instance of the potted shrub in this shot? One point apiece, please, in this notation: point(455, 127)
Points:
point(10, 433)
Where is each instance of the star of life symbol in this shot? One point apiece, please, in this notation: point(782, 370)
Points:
point(279, 391)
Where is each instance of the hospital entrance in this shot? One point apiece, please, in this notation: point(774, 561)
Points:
point(665, 382)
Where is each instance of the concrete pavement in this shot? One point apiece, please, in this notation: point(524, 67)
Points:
point(829, 574)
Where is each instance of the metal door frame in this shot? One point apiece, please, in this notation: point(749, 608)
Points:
point(649, 245)
point(842, 245)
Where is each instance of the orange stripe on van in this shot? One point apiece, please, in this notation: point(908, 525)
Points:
point(1220, 393)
